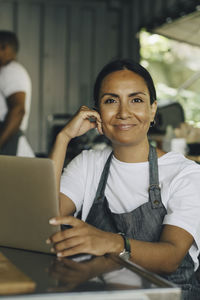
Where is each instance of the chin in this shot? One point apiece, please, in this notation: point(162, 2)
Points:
point(127, 142)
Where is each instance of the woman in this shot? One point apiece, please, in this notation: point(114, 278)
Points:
point(136, 201)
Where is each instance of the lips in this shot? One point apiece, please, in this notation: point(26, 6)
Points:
point(125, 126)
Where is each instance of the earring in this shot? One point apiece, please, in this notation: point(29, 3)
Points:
point(153, 123)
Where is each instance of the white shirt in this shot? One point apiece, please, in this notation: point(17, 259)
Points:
point(127, 188)
point(14, 78)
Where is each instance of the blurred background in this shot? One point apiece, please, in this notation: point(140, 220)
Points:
point(64, 44)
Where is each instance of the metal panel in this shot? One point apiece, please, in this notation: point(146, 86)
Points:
point(86, 45)
point(113, 34)
point(29, 56)
point(6, 16)
point(74, 62)
point(54, 64)
point(126, 33)
point(135, 27)
point(100, 37)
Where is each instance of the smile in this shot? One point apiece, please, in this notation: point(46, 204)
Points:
point(124, 126)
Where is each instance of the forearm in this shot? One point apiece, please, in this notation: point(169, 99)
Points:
point(163, 256)
point(157, 257)
point(10, 125)
point(58, 154)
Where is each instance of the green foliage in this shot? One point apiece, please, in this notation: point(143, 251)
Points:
point(154, 47)
point(169, 64)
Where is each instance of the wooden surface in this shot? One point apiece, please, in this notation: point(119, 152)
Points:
point(12, 280)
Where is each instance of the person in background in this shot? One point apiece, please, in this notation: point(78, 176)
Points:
point(135, 200)
point(15, 98)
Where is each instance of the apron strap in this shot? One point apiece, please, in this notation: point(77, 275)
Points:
point(103, 179)
point(10, 147)
point(154, 189)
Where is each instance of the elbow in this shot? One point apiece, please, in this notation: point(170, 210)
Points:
point(169, 268)
point(17, 112)
point(22, 112)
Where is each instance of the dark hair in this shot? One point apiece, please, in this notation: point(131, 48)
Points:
point(9, 38)
point(124, 64)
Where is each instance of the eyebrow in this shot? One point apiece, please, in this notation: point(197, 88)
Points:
point(117, 96)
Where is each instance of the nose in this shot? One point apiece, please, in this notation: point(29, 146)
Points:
point(123, 111)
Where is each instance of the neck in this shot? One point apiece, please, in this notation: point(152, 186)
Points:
point(132, 154)
point(5, 63)
point(8, 61)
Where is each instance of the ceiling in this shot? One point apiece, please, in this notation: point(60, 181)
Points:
point(176, 19)
point(184, 29)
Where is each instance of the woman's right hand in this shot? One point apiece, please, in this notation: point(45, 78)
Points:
point(84, 120)
point(78, 125)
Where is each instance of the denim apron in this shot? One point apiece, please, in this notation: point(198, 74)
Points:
point(143, 223)
point(10, 147)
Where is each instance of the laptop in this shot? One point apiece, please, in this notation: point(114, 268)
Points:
point(28, 199)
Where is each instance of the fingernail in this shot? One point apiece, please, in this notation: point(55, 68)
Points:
point(52, 221)
point(48, 241)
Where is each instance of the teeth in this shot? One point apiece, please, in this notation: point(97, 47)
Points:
point(125, 126)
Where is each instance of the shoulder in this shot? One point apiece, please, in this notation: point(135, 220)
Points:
point(14, 69)
point(177, 160)
point(15, 65)
point(179, 170)
point(14, 78)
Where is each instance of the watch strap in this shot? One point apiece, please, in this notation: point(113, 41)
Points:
point(127, 247)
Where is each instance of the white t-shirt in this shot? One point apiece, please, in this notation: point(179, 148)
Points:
point(127, 188)
point(14, 78)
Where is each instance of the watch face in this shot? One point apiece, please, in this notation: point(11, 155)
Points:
point(125, 255)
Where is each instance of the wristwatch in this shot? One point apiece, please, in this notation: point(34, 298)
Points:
point(126, 253)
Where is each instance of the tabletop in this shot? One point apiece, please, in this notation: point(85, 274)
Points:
point(83, 277)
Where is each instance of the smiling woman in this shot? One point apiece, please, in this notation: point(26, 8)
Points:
point(126, 112)
point(134, 200)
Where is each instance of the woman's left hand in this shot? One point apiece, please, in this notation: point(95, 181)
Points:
point(83, 238)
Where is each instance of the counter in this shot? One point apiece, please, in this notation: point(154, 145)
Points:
point(85, 277)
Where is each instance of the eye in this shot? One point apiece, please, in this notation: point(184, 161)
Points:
point(109, 100)
point(137, 100)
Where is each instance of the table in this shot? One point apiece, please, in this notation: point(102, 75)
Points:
point(105, 278)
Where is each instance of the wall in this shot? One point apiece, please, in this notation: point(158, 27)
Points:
point(63, 45)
